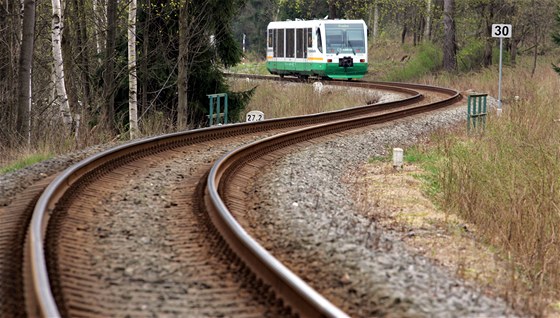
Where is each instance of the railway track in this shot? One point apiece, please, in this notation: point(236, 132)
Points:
point(230, 274)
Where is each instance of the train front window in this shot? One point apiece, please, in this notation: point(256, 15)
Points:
point(345, 38)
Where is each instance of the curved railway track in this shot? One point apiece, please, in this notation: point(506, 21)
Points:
point(230, 273)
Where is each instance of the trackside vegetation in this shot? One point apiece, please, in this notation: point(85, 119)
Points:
point(24, 162)
point(505, 180)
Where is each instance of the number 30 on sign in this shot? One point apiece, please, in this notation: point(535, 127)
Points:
point(501, 30)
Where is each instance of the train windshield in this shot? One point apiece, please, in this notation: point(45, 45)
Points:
point(345, 38)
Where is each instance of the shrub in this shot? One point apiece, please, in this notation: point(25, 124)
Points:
point(427, 60)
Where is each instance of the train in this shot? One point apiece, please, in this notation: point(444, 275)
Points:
point(335, 49)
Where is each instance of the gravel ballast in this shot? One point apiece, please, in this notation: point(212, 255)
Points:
point(302, 205)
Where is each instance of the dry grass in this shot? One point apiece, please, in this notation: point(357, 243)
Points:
point(287, 99)
point(506, 180)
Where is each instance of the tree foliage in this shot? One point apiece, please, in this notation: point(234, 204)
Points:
point(94, 49)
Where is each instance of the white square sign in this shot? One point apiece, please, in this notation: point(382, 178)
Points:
point(501, 30)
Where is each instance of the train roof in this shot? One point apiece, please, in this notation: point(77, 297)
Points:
point(308, 23)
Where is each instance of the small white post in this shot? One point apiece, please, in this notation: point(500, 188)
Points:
point(397, 158)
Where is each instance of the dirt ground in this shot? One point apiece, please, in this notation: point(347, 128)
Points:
point(395, 200)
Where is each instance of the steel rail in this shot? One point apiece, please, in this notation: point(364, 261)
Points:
point(301, 297)
point(42, 295)
point(390, 86)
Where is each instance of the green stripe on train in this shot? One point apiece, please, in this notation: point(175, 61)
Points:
point(331, 70)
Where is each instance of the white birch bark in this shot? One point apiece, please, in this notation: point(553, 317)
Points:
point(96, 32)
point(428, 19)
point(375, 20)
point(61, 96)
point(132, 80)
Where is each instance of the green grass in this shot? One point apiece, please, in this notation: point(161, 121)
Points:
point(506, 179)
point(25, 162)
point(426, 60)
point(258, 68)
point(428, 160)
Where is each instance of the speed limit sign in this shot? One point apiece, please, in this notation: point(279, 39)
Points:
point(501, 30)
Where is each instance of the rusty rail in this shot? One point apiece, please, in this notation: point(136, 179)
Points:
point(297, 294)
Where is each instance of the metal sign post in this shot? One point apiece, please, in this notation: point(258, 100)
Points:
point(501, 31)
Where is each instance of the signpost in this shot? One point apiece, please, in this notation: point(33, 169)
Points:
point(501, 31)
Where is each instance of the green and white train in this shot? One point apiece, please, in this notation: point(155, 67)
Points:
point(324, 48)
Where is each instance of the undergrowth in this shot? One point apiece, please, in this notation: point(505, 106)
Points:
point(24, 162)
point(506, 180)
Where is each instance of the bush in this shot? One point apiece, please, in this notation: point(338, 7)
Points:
point(470, 57)
point(427, 60)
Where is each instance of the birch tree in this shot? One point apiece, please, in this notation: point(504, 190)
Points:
point(132, 79)
point(61, 95)
point(428, 19)
point(375, 8)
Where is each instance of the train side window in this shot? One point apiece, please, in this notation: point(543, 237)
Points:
point(299, 43)
point(309, 37)
point(304, 42)
point(290, 43)
point(281, 42)
point(275, 43)
point(269, 41)
point(319, 41)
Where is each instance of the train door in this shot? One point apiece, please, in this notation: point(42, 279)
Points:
point(301, 51)
point(308, 50)
point(280, 37)
point(290, 50)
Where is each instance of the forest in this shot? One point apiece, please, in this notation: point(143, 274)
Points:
point(81, 72)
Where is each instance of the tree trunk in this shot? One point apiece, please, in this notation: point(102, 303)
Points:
point(96, 31)
point(487, 59)
point(61, 95)
point(83, 56)
point(109, 76)
point(403, 34)
point(514, 36)
point(10, 23)
point(144, 60)
point(449, 45)
point(132, 80)
point(25, 72)
point(536, 38)
point(427, 29)
point(513, 50)
point(333, 14)
point(373, 19)
point(182, 84)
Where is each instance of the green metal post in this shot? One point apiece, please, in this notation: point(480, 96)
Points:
point(211, 114)
point(218, 97)
point(484, 109)
point(217, 108)
point(469, 113)
point(225, 108)
point(476, 110)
